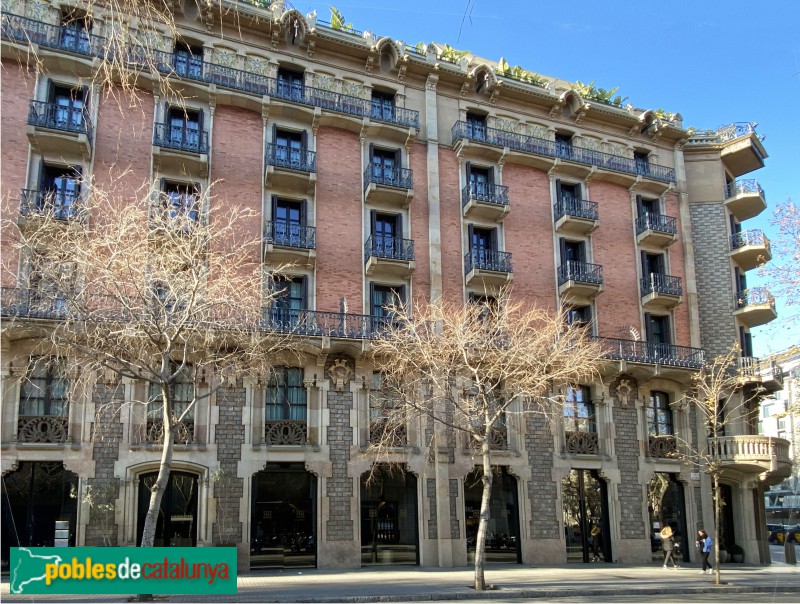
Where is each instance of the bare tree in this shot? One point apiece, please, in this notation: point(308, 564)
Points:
point(469, 368)
point(152, 287)
point(784, 269)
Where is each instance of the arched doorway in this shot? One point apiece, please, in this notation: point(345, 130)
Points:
point(502, 536)
point(389, 533)
point(584, 501)
point(666, 507)
point(34, 496)
point(177, 517)
point(283, 517)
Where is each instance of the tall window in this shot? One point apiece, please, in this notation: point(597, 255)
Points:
point(386, 230)
point(642, 161)
point(288, 220)
point(564, 145)
point(659, 415)
point(647, 206)
point(476, 126)
point(658, 329)
point(44, 390)
point(286, 395)
point(383, 297)
point(382, 107)
point(579, 315)
point(182, 391)
point(579, 410)
point(290, 148)
point(184, 128)
point(75, 32)
point(179, 203)
point(385, 166)
point(69, 107)
point(290, 299)
point(59, 191)
point(480, 180)
point(290, 84)
point(188, 61)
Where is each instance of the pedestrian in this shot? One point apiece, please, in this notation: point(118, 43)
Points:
point(597, 544)
point(668, 545)
point(704, 547)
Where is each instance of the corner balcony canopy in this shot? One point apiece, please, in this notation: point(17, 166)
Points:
point(389, 185)
point(180, 149)
point(754, 454)
point(576, 216)
point(637, 351)
point(493, 137)
point(750, 249)
point(61, 129)
point(389, 255)
point(742, 151)
point(579, 281)
point(661, 291)
point(487, 267)
point(289, 242)
point(745, 199)
point(754, 306)
point(60, 205)
point(483, 200)
point(656, 230)
point(290, 167)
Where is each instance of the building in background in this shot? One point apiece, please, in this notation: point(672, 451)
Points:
point(384, 171)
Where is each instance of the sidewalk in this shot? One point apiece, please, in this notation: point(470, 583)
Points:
point(404, 584)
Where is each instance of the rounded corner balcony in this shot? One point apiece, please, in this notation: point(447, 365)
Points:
point(487, 267)
point(661, 292)
point(750, 249)
point(289, 167)
point(290, 243)
point(763, 373)
point(576, 216)
point(484, 201)
point(754, 306)
point(745, 198)
point(388, 185)
point(579, 282)
point(742, 151)
point(180, 149)
point(389, 256)
point(656, 230)
point(59, 130)
point(766, 456)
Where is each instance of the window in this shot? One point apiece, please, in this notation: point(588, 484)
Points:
point(564, 146)
point(182, 393)
point(645, 206)
point(75, 32)
point(659, 415)
point(386, 235)
point(480, 181)
point(68, 107)
point(188, 61)
point(488, 304)
point(572, 251)
point(51, 281)
point(179, 204)
point(579, 410)
point(290, 148)
point(745, 342)
point(381, 400)
point(44, 390)
point(579, 316)
point(642, 161)
point(290, 84)
point(766, 410)
point(476, 126)
point(288, 222)
point(185, 127)
point(59, 191)
point(657, 328)
point(286, 395)
point(383, 297)
point(653, 264)
point(290, 299)
point(382, 106)
point(385, 166)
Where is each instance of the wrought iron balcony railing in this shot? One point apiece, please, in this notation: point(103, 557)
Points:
point(285, 432)
point(42, 428)
point(496, 194)
point(743, 186)
point(487, 260)
point(749, 237)
point(60, 117)
point(637, 351)
point(288, 234)
point(736, 130)
point(393, 248)
point(60, 37)
point(656, 222)
point(181, 138)
point(383, 432)
point(753, 368)
point(663, 447)
point(60, 205)
point(581, 443)
point(754, 296)
point(283, 156)
point(582, 272)
point(182, 432)
point(32, 304)
point(393, 115)
point(548, 148)
point(576, 208)
point(315, 323)
point(658, 283)
point(401, 178)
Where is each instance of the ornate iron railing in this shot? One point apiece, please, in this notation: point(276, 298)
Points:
point(181, 138)
point(663, 447)
point(736, 130)
point(749, 237)
point(743, 186)
point(321, 323)
point(777, 373)
point(581, 443)
point(42, 428)
point(548, 148)
point(754, 296)
point(392, 114)
point(182, 432)
point(486, 193)
point(576, 208)
point(237, 79)
point(283, 156)
point(393, 248)
point(637, 351)
point(60, 117)
point(32, 304)
point(401, 178)
point(658, 283)
point(288, 234)
point(656, 222)
point(285, 432)
point(389, 434)
point(61, 205)
point(59, 37)
point(487, 260)
point(582, 272)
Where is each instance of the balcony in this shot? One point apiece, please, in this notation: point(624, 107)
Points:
point(656, 230)
point(581, 443)
point(389, 255)
point(65, 206)
point(182, 432)
point(31, 304)
point(487, 267)
point(61, 38)
point(382, 432)
point(662, 447)
point(466, 133)
point(745, 199)
point(180, 149)
point(285, 432)
point(486, 201)
point(59, 130)
point(322, 324)
point(660, 291)
point(579, 282)
point(766, 374)
point(637, 351)
point(753, 454)
point(289, 243)
point(288, 167)
point(388, 122)
point(750, 249)
point(576, 216)
point(42, 429)
point(388, 186)
point(754, 306)
point(742, 151)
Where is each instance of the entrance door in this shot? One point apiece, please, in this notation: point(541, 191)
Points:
point(283, 517)
point(585, 512)
point(33, 498)
point(502, 536)
point(389, 532)
point(177, 518)
point(666, 507)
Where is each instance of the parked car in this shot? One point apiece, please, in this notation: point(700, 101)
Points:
point(771, 528)
point(793, 534)
point(780, 533)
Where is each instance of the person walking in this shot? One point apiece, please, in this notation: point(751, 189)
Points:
point(668, 545)
point(704, 547)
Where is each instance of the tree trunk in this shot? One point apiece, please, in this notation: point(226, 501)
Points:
point(717, 518)
point(149, 531)
point(483, 525)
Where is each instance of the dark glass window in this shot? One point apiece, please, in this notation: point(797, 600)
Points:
point(179, 202)
point(60, 189)
point(480, 180)
point(573, 251)
point(290, 84)
point(385, 164)
point(382, 105)
point(383, 297)
point(286, 394)
point(659, 415)
point(476, 126)
point(564, 145)
point(290, 299)
point(647, 206)
point(182, 390)
point(658, 329)
point(288, 217)
point(44, 390)
point(579, 315)
point(75, 32)
point(642, 161)
point(579, 410)
point(289, 148)
point(188, 61)
point(184, 127)
point(69, 106)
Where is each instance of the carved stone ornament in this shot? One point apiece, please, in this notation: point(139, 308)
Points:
point(625, 390)
point(340, 375)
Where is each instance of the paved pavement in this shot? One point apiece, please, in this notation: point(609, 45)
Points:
point(406, 584)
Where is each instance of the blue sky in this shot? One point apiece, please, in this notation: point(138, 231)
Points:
point(713, 62)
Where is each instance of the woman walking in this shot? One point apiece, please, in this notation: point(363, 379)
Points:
point(668, 545)
point(704, 547)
